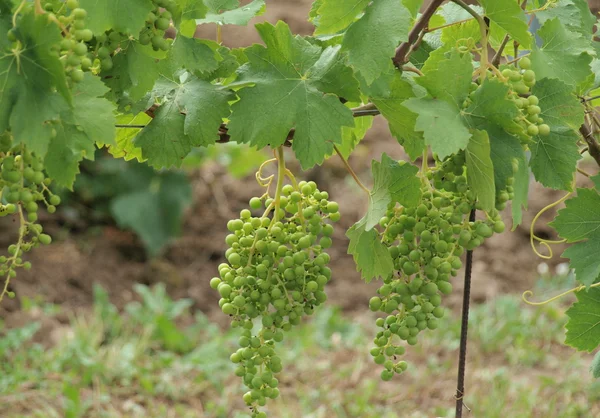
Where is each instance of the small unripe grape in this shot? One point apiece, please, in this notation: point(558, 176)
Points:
point(45, 239)
point(525, 63)
point(544, 129)
point(533, 130)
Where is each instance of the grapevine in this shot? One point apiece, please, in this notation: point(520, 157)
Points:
point(482, 99)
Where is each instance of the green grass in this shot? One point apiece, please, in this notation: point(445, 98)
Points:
point(157, 360)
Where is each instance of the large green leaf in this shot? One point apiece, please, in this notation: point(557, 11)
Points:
point(134, 72)
point(574, 14)
point(442, 125)
point(491, 106)
point(554, 158)
point(560, 106)
point(393, 183)
point(190, 115)
point(564, 54)
point(509, 16)
point(127, 17)
point(235, 16)
point(580, 218)
point(450, 80)
point(389, 100)
point(372, 40)
point(583, 328)
point(480, 170)
point(585, 260)
point(286, 80)
point(336, 15)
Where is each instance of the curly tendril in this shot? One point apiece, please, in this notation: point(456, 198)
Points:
point(545, 242)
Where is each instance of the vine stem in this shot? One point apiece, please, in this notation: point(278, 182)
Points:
point(420, 25)
point(351, 171)
point(464, 328)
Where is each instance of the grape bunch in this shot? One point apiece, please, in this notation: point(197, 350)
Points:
point(521, 80)
point(73, 49)
point(276, 272)
point(23, 187)
point(426, 243)
point(157, 23)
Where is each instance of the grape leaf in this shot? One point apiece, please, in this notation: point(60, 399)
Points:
point(393, 182)
point(491, 105)
point(190, 115)
point(124, 146)
point(596, 180)
point(585, 259)
point(560, 107)
point(352, 136)
point(236, 16)
point(27, 83)
point(480, 170)
point(155, 212)
point(574, 14)
point(194, 55)
point(127, 17)
point(554, 158)
point(91, 113)
point(61, 161)
point(564, 54)
point(509, 16)
point(580, 218)
point(372, 258)
point(285, 88)
point(337, 15)
point(450, 80)
point(90, 120)
point(595, 367)
point(583, 328)
point(134, 71)
point(372, 40)
point(216, 6)
point(442, 125)
point(413, 6)
point(331, 75)
point(389, 100)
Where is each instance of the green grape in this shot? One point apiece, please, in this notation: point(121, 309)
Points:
point(525, 63)
point(544, 129)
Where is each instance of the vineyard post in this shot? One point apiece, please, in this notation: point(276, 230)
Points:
point(464, 328)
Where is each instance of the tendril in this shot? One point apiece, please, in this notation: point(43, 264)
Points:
point(545, 242)
point(529, 293)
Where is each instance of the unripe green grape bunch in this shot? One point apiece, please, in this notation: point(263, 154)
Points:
point(521, 79)
point(23, 189)
point(275, 275)
point(426, 243)
point(73, 50)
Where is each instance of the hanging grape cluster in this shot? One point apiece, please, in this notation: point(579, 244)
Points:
point(276, 273)
point(157, 22)
point(23, 188)
point(521, 80)
point(426, 243)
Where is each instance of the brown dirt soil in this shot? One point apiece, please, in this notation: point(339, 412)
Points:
point(65, 272)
